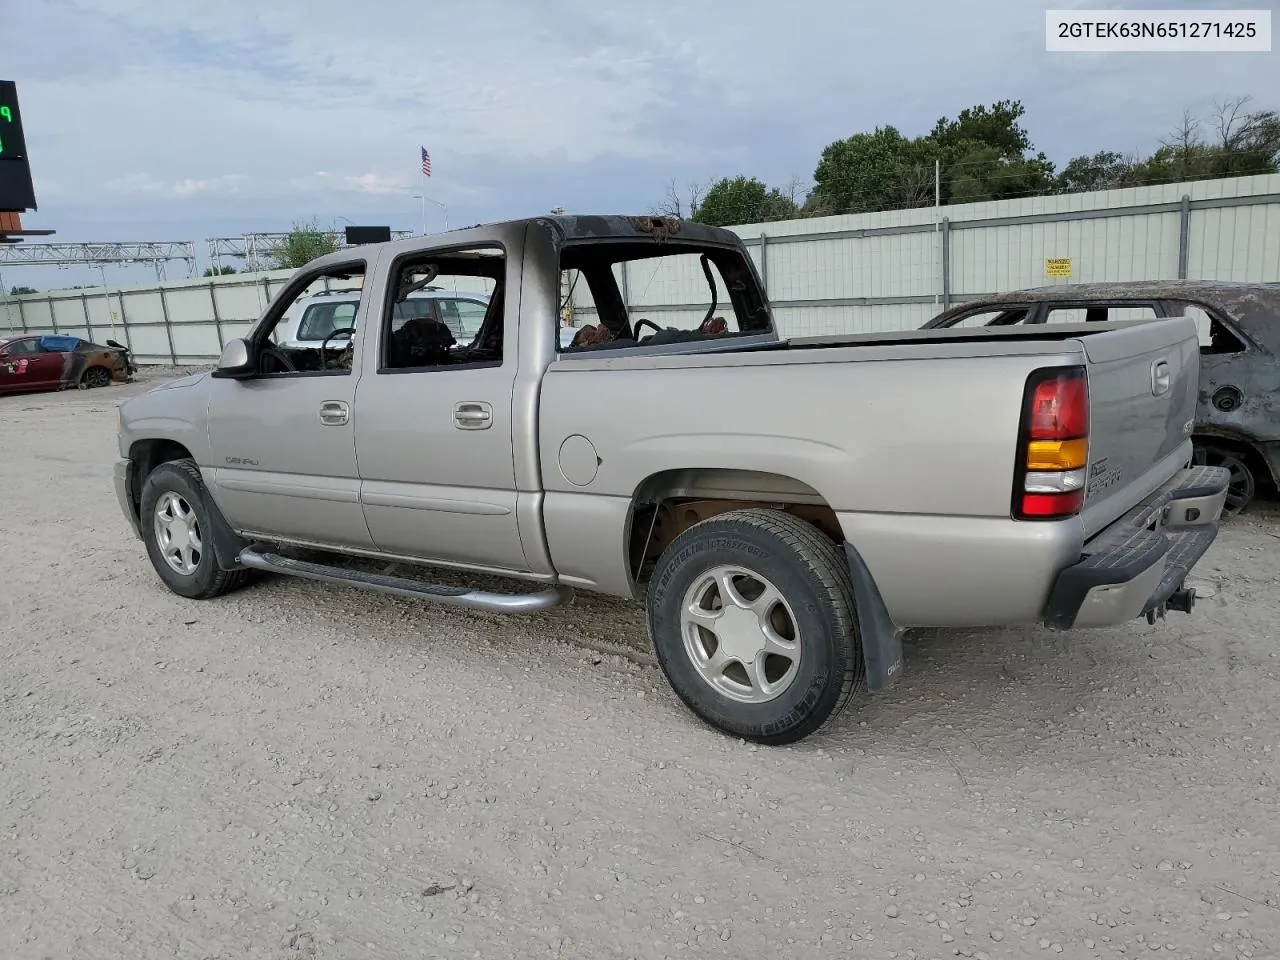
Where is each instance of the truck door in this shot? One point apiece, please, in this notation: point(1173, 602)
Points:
point(282, 447)
point(433, 420)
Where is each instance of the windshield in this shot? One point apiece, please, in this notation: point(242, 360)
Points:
point(321, 319)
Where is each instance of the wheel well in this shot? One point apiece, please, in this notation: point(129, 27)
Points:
point(668, 503)
point(149, 454)
point(1246, 451)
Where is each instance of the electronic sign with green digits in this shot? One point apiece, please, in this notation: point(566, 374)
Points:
point(16, 189)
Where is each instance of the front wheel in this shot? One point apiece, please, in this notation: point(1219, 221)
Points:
point(178, 534)
point(751, 616)
point(95, 377)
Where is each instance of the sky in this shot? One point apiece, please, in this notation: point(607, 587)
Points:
point(188, 119)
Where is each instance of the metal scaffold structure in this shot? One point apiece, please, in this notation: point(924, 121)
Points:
point(256, 249)
point(157, 253)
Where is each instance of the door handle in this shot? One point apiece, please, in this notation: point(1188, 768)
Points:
point(334, 413)
point(1160, 377)
point(473, 415)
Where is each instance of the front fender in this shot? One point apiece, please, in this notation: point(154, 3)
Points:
point(176, 411)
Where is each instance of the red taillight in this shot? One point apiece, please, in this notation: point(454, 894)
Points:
point(1052, 504)
point(1060, 408)
point(1053, 445)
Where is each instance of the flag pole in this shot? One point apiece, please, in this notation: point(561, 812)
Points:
point(422, 176)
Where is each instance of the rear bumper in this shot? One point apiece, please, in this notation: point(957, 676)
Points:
point(1137, 566)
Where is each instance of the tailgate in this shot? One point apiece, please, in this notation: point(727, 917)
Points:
point(1143, 381)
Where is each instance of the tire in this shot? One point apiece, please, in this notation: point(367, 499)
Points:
point(172, 490)
point(793, 687)
point(95, 377)
point(1242, 486)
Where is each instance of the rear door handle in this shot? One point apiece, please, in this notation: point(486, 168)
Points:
point(472, 415)
point(334, 413)
point(1160, 377)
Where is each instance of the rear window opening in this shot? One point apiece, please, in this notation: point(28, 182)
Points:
point(618, 295)
point(1102, 313)
point(1215, 336)
point(992, 317)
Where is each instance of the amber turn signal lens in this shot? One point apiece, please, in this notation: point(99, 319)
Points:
point(1057, 454)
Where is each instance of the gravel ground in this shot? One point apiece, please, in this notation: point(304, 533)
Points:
point(297, 771)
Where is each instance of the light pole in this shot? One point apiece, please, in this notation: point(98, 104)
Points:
point(106, 299)
point(4, 298)
point(425, 200)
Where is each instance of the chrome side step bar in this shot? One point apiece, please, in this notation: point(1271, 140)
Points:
point(404, 587)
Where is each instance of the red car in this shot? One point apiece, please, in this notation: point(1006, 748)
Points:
point(43, 362)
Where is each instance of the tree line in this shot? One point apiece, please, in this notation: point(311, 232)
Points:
point(984, 153)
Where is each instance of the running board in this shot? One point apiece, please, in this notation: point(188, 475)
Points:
point(405, 587)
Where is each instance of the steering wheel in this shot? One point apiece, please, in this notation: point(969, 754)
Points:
point(640, 323)
point(275, 353)
point(324, 364)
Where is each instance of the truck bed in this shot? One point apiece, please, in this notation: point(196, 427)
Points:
point(909, 436)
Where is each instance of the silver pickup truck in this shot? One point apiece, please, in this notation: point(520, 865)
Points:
point(785, 508)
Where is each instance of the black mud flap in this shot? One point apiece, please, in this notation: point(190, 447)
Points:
point(881, 637)
point(227, 544)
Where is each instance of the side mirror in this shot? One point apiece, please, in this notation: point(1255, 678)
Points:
point(236, 361)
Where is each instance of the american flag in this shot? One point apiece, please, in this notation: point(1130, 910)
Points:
point(426, 163)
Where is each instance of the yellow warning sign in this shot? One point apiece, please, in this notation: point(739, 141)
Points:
point(1058, 267)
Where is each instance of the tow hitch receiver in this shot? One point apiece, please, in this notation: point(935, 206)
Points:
point(1183, 600)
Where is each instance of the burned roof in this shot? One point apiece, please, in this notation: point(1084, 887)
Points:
point(1254, 307)
point(642, 229)
point(1221, 292)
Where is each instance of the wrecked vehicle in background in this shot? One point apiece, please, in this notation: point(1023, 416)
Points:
point(54, 362)
point(1238, 414)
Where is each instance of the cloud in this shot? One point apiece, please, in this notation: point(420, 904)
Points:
point(143, 183)
point(379, 183)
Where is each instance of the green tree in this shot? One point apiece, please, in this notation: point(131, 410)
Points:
point(1241, 142)
point(304, 243)
point(979, 171)
point(866, 172)
point(1105, 170)
point(1245, 141)
point(219, 271)
point(21, 291)
point(743, 200)
point(982, 154)
point(996, 127)
point(986, 154)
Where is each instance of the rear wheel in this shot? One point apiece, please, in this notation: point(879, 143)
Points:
point(1241, 487)
point(751, 615)
point(177, 532)
point(95, 377)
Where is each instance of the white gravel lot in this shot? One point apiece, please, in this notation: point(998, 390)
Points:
point(297, 771)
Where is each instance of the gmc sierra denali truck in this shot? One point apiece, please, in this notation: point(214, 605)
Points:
point(785, 508)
